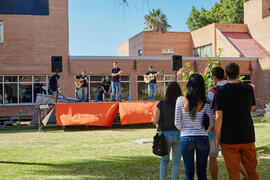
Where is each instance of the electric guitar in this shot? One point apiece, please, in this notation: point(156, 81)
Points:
point(79, 82)
point(148, 78)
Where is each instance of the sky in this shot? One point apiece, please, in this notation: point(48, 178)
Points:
point(97, 27)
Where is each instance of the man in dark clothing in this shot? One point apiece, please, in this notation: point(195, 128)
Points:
point(83, 79)
point(54, 85)
point(233, 103)
point(152, 83)
point(106, 88)
point(116, 72)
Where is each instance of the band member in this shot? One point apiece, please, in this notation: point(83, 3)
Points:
point(106, 88)
point(54, 85)
point(83, 79)
point(116, 72)
point(151, 84)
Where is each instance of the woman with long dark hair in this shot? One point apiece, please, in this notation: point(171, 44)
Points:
point(164, 119)
point(190, 113)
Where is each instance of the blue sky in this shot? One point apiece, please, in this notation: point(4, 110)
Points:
point(96, 27)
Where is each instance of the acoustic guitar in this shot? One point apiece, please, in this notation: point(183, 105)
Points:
point(79, 82)
point(148, 78)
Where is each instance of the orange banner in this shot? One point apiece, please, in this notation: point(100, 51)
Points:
point(96, 114)
point(137, 112)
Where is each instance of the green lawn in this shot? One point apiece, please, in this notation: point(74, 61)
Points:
point(96, 154)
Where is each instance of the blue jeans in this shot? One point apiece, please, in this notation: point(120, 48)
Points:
point(173, 142)
point(152, 87)
point(213, 151)
point(114, 86)
point(82, 94)
point(200, 144)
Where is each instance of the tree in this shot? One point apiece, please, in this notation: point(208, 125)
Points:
point(156, 21)
point(226, 11)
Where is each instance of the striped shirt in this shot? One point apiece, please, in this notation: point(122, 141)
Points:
point(186, 125)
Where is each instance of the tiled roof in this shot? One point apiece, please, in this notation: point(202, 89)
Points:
point(246, 45)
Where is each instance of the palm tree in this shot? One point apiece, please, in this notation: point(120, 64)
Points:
point(156, 21)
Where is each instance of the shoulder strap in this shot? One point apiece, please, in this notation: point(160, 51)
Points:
point(161, 116)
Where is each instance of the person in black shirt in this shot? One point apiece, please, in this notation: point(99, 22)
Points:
point(116, 72)
point(233, 103)
point(152, 84)
point(164, 120)
point(83, 79)
point(54, 85)
point(106, 88)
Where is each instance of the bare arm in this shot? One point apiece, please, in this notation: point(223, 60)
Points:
point(156, 117)
point(218, 123)
point(58, 83)
point(178, 114)
point(116, 74)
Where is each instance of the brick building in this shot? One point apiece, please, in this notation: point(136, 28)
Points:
point(27, 43)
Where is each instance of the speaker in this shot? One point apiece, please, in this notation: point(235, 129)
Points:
point(176, 62)
point(56, 64)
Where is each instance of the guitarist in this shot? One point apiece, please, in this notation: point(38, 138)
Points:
point(152, 84)
point(83, 79)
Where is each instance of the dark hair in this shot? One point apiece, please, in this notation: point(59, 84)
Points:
point(173, 92)
point(115, 62)
point(232, 70)
point(218, 72)
point(195, 93)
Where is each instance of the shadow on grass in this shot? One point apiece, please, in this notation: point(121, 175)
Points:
point(263, 149)
point(29, 129)
point(121, 167)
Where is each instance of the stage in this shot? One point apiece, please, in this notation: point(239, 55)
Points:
point(103, 113)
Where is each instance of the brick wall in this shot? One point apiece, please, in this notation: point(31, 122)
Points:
point(30, 41)
point(154, 42)
point(263, 81)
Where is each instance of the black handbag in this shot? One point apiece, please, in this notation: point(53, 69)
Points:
point(205, 121)
point(159, 147)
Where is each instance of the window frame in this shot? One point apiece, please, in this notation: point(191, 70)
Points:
point(18, 83)
point(198, 51)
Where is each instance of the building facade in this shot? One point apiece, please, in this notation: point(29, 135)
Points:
point(27, 43)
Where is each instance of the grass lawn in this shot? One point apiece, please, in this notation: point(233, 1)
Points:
point(96, 154)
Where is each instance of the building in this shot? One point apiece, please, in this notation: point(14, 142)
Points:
point(27, 43)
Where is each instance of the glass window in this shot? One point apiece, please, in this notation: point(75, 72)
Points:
point(25, 78)
point(25, 92)
point(11, 79)
point(40, 79)
point(1, 93)
point(140, 52)
point(40, 88)
point(203, 51)
point(22, 88)
point(1, 32)
point(11, 93)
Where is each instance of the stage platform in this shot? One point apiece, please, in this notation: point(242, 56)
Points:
point(103, 113)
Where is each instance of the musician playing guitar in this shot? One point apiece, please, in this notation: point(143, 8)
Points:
point(151, 79)
point(82, 84)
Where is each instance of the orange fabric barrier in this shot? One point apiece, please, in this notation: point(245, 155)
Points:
point(137, 112)
point(96, 114)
